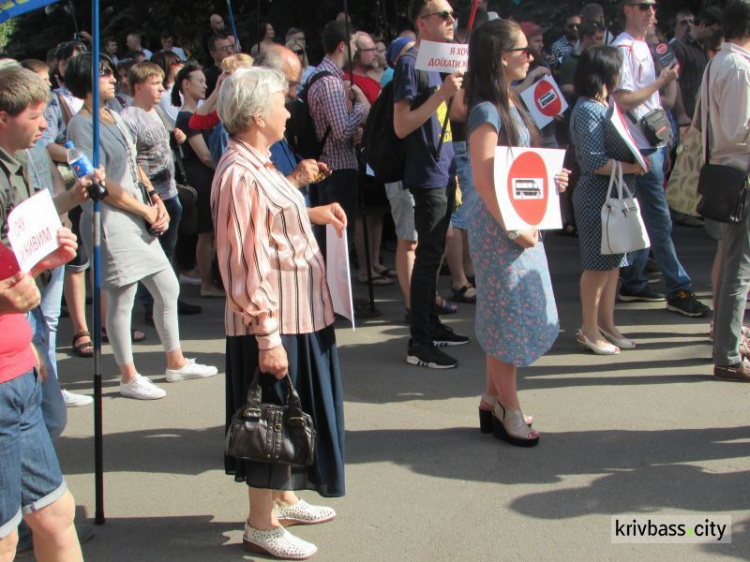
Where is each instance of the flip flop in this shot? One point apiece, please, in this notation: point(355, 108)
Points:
point(387, 272)
point(376, 280)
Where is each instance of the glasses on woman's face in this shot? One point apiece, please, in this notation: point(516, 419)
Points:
point(445, 15)
point(646, 6)
point(526, 50)
point(105, 73)
point(177, 62)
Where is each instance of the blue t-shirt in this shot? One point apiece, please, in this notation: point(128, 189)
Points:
point(486, 112)
point(422, 168)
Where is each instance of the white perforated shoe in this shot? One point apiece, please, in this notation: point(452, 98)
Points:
point(302, 513)
point(279, 543)
point(191, 370)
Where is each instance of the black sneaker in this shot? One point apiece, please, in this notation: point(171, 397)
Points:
point(686, 303)
point(443, 336)
point(645, 295)
point(426, 355)
point(187, 309)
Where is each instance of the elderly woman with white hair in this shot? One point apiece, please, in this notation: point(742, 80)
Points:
point(279, 314)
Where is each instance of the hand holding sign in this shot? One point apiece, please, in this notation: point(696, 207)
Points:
point(32, 229)
point(544, 101)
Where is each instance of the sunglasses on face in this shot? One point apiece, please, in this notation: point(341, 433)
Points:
point(105, 72)
point(526, 50)
point(646, 6)
point(299, 53)
point(176, 63)
point(573, 25)
point(445, 15)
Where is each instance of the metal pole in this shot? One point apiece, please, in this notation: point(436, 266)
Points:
point(230, 14)
point(98, 425)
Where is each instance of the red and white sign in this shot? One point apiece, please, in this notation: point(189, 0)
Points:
point(525, 187)
point(32, 229)
point(544, 101)
point(618, 120)
point(442, 57)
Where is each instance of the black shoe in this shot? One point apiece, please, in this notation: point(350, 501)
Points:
point(443, 336)
point(187, 309)
point(148, 317)
point(687, 304)
point(645, 295)
point(426, 355)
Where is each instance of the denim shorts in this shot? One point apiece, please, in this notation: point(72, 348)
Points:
point(402, 210)
point(469, 195)
point(30, 477)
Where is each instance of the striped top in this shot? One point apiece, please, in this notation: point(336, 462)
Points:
point(270, 262)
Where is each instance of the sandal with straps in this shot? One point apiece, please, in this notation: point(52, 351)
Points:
point(485, 416)
point(509, 426)
point(83, 349)
point(467, 294)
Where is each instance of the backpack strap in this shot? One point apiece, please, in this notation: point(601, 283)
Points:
point(310, 83)
point(67, 114)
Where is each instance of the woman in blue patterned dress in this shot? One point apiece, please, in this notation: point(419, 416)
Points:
point(598, 146)
point(516, 316)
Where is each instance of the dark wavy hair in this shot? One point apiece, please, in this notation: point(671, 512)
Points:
point(599, 66)
point(486, 81)
point(183, 74)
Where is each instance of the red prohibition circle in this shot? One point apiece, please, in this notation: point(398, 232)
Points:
point(528, 187)
point(547, 99)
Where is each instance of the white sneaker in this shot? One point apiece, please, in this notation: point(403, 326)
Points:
point(73, 400)
point(141, 388)
point(191, 370)
point(279, 543)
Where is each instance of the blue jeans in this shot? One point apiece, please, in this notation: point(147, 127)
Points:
point(649, 190)
point(30, 477)
point(469, 195)
point(168, 242)
point(44, 320)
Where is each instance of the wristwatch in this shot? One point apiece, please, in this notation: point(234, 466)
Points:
point(513, 234)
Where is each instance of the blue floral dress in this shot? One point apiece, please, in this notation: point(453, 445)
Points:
point(516, 317)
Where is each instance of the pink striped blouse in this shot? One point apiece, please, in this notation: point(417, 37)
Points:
point(270, 262)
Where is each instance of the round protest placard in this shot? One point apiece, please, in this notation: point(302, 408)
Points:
point(528, 187)
point(546, 99)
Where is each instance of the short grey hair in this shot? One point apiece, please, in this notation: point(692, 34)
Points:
point(246, 94)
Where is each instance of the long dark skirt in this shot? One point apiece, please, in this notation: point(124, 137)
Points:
point(314, 369)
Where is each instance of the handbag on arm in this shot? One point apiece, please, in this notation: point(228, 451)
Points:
point(269, 433)
point(622, 224)
point(723, 189)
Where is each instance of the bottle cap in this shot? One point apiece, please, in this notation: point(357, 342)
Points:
point(69, 144)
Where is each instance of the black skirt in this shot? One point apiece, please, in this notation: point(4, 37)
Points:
point(315, 372)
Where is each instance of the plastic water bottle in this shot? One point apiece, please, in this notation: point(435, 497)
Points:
point(82, 168)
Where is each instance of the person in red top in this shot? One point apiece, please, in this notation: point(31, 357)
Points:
point(364, 60)
point(31, 484)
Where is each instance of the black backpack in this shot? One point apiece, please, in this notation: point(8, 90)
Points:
point(300, 127)
point(382, 150)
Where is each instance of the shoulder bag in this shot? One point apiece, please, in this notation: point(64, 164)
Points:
point(723, 189)
point(272, 434)
point(622, 224)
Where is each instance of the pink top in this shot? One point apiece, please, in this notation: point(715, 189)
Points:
point(270, 262)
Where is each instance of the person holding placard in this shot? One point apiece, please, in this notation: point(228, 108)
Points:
point(516, 316)
point(598, 147)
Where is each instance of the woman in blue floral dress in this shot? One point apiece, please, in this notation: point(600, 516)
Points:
point(516, 316)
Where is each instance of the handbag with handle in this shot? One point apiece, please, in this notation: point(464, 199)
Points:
point(682, 186)
point(269, 433)
point(723, 189)
point(622, 224)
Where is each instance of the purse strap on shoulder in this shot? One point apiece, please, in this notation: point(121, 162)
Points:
point(707, 124)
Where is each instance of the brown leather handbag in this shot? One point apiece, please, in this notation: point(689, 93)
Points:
point(269, 433)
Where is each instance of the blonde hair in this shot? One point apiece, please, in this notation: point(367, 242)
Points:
point(20, 88)
point(247, 94)
point(233, 62)
point(142, 71)
point(296, 43)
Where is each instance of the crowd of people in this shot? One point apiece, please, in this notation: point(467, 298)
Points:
point(225, 176)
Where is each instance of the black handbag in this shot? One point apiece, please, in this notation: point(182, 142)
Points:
point(269, 433)
point(723, 189)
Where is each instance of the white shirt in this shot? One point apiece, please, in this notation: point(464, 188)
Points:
point(730, 106)
point(637, 72)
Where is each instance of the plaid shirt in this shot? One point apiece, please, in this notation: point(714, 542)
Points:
point(562, 48)
point(271, 265)
point(328, 107)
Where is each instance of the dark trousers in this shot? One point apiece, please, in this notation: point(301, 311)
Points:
point(342, 188)
point(432, 211)
point(168, 242)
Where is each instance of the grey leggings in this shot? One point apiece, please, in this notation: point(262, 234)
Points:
point(165, 289)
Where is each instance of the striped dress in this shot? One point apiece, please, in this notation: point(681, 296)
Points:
point(275, 279)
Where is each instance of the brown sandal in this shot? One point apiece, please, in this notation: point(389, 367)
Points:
point(83, 349)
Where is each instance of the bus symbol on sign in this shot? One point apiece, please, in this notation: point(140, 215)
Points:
point(547, 98)
point(528, 188)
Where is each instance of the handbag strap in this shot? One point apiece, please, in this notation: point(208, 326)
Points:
point(176, 149)
point(707, 124)
point(255, 391)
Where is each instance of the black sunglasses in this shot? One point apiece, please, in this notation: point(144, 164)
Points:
point(646, 6)
point(526, 50)
point(573, 25)
point(444, 15)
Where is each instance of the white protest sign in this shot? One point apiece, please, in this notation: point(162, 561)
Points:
point(618, 120)
point(442, 57)
point(32, 229)
point(544, 100)
point(338, 274)
point(525, 187)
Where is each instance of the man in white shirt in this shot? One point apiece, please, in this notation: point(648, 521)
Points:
point(726, 94)
point(637, 95)
point(134, 43)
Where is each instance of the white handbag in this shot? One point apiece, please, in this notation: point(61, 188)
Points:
point(622, 224)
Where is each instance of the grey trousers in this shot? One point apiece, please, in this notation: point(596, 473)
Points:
point(734, 282)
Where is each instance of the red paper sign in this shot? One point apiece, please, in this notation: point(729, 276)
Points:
point(546, 98)
point(528, 187)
